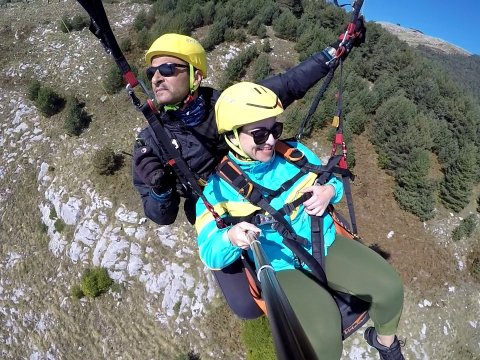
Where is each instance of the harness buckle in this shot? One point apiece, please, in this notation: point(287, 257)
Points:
point(263, 219)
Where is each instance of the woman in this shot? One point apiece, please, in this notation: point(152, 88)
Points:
point(247, 114)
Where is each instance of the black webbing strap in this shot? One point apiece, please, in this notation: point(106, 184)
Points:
point(318, 242)
point(230, 172)
point(174, 158)
point(100, 27)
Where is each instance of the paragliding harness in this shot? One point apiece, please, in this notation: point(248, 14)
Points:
point(353, 310)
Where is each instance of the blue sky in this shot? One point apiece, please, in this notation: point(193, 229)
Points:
point(457, 22)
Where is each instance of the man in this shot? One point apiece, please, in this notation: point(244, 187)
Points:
point(177, 67)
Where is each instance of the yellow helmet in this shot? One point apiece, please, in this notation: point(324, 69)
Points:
point(183, 47)
point(245, 103)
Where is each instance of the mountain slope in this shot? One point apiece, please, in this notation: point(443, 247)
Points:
point(167, 302)
point(416, 38)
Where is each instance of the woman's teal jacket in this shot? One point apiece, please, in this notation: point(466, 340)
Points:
point(217, 252)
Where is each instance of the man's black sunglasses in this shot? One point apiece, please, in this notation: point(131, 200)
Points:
point(167, 69)
point(260, 136)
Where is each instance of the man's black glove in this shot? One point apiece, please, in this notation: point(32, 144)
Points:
point(354, 35)
point(359, 31)
point(149, 168)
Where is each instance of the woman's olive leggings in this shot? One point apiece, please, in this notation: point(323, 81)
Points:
point(351, 268)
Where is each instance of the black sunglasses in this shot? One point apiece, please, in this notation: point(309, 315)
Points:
point(260, 136)
point(167, 69)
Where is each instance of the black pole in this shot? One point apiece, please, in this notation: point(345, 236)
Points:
point(290, 339)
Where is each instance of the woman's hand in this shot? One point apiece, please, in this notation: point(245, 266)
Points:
point(321, 196)
point(238, 234)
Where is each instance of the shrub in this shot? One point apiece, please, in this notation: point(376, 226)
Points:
point(77, 292)
point(59, 225)
point(95, 282)
point(77, 23)
point(143, 39)
point(48, 101)
point(53, 214)
point(465, 229)
point(188, 356)
point(262, 32)
point(235, 35)
point(106, 162)
point(474, 264)
point(33, 89)
point(77, 119)
point(126, 45)
point(113, 81)
point(266, 47)
point(140, 21)
point(254, 25)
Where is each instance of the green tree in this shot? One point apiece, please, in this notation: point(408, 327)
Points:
point(311, 40)
point(456, 188)
point(414, 191)
point(215, 34)
point(208, 13)
point(196, 17)
point(140, 22)
point(261, 68)
point(286, 25)
point(237, 66)
point(294, 6)
point(356, 120)
point(269, 12)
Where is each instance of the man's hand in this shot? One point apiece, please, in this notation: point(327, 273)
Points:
point(148, 167)
point(359, 32)
point(357, 38)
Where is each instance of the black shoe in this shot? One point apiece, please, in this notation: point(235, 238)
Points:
point(386, 353)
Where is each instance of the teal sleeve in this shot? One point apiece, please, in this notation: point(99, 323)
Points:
point(215, 249)
point(338, 186)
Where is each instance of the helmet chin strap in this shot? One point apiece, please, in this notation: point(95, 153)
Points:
point(189, 98)
point(234, 144)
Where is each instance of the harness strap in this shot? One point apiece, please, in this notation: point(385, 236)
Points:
point(318, 242)
point(230, 172)
point(175, 160)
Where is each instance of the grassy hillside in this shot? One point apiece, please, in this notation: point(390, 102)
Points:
point(166, 303)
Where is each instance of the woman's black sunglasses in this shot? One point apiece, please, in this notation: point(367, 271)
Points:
point(167, 69)
point(260, 136)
